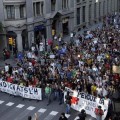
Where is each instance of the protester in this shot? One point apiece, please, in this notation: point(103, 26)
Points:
point(48, 92)
point(83, 64)
point(63, 117)
point(82, 115)
point(99, 113)
point(68, 102)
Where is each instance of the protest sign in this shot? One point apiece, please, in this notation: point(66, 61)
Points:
point(52, 56)
point(17, 90)
point(87, 102)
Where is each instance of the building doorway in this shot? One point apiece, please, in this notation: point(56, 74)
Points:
point(11, 40)
point(25, 39)
point(39, 32)
point(65, 25)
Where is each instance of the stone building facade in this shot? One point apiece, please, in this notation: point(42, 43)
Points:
point(30, 21)
point(88, 12)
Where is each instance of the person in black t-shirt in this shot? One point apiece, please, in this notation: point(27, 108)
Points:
point(68, 102)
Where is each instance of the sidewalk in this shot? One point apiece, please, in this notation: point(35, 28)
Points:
point(12, 61)
point(9, 61)
point(66, 38)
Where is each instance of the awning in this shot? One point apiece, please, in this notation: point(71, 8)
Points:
point(39, 27)
point(11, 34)
point(55, 14)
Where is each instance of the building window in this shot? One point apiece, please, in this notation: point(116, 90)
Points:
point(38, 8)
point(53, 3)
point(103, 8)
point(107, 5)
point(22, 12)
point(95, 11)
point(78, 16)
point(78, 1)
point(64, 4)
point(90, 12)
point(10, 10)
point(83, 14)
point(99, 9)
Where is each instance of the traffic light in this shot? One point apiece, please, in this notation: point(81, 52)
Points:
point(13, 43)
point(10, 41)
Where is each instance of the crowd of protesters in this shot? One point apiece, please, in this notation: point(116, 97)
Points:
point(84, 64)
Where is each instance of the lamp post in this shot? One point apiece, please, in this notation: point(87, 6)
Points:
point(45, 37)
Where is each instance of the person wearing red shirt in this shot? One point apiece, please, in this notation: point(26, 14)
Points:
point(9, 79)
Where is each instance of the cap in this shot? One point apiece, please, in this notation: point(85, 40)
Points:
point(99, 107)
point(82, 111)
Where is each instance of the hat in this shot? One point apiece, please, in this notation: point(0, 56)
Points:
point(99, 107)
point(82, 111)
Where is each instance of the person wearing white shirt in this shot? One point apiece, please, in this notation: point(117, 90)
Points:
point(29, 54)
point(99, 90)
point(6, 67)
point(41, 47)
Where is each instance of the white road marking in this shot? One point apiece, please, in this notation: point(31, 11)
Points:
point(20, 106)
point(1, 102)
point(51, 115)
point(10, 104)
point(67, 115)
point(42, 110)
point(54, 113)
point(76, 118)
point(31, 108)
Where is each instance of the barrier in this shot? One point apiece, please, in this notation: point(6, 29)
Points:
point(87, 102)
point(17, 90)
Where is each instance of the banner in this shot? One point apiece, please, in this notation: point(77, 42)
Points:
point(17, 90)
point(87, 102)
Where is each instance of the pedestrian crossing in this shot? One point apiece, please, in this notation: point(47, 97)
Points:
point(25, 112)
point(13, 111)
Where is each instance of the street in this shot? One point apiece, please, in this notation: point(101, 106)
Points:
point(14, 108)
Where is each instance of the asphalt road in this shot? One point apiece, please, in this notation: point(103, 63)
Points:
point(15, 108)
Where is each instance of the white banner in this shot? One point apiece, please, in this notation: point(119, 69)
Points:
point(87, 102)
point(17, 90)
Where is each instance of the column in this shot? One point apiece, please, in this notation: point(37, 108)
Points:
point(97, 11)
point(110, 10)
point(115, 6)
point(113, 2)
point(75, 14)
point(58, 5)
point(60, 26)
point(81, 15)
point(1, 11)
point(25, 11)
point(40, 9)
point(19, 41)
point(71, 23)
point(106, 7)
point(34, 9)
point(30, 38)
point(87, 13)
point(48, 29)
point(17, 11)
point(5, 13)
point(47, 6)
point(92, 11)
point(102, 2)
point(29, 11)
point(30, 29)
